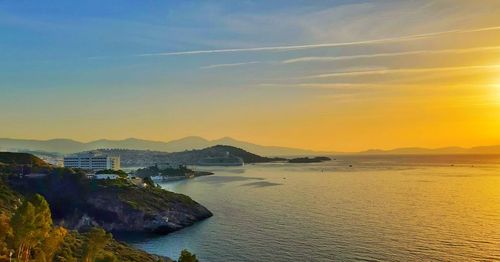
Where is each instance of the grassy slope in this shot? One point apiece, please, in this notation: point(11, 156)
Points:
point(147, 200)
point(73, 245)
point(9, 199)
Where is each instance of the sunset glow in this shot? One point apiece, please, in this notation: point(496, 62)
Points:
point(335, 77)
point(254, 130)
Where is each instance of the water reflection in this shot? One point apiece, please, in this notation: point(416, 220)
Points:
point(381, 209)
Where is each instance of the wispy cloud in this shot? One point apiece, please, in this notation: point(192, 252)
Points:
point(393, 54)
point(325, 45)
point(231, 65)
point(329, 86)
point(359, 86)
point(405, 70)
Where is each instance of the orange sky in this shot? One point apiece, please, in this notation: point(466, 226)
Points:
point(344, 77)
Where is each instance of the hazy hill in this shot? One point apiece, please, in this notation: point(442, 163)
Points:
point(67, 146)
point(194, 156)
point(435, 151)
point(135, 158)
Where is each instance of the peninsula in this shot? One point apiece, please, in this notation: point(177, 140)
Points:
point(80, 203)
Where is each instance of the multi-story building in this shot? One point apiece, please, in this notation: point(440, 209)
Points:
point(92, 162)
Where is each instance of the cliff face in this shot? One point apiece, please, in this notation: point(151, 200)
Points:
point(138, 210)
point(116, 205)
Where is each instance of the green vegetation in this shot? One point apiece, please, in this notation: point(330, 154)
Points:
point(29, 232)
point(80, 247)
point(21, 159)
point(22, 163)
point(149, 200)
point(26, 220)
point(9, 199)
point(169, 171)
point(186, 256)
point(97, 239)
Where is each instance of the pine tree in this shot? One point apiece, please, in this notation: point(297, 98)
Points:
point(97, 240)
point(186, 256)
point(31, 224)
point(52, 243)
point(5, 233)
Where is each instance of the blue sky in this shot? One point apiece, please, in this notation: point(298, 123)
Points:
point(166, 69)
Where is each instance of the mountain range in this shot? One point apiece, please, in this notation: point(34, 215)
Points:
point(478, 150)
point(67, 146)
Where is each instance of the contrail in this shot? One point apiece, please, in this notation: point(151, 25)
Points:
point(404, 70)
point(230, 65)
point(311, 46)
point(417, 52)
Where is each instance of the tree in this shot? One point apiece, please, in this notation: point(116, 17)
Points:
point(97, 240)
point(51, 244)
point(107, 257)
point(5, 232)
point(186, 256)
point(23, 224)
point(31, 224)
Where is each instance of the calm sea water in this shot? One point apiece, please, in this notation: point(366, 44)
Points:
point(380, 209)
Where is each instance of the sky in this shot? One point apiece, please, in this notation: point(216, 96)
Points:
point(324, 75)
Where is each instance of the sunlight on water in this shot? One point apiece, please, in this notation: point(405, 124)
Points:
point(381, 208)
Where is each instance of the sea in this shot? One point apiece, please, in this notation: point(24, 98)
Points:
point(353, 208)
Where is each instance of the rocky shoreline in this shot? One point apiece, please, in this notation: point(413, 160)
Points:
point(115, 205)
point(80, 204)
point(117, 212)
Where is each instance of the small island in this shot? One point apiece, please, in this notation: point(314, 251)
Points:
point(317, 159)
point(168, 173)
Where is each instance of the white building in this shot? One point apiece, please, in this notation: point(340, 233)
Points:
point(92, 162)
point(106, 176)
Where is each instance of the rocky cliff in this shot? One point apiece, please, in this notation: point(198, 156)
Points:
point(116, 205)
point(136, 209)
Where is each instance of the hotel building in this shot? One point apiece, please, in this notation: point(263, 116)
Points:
point(92, 162)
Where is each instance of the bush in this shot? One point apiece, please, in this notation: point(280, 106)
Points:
point(186, 256)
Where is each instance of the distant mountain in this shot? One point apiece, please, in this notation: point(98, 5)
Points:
point(53, 145)
point(193, 157)
point(67, 146)
point(437, 151)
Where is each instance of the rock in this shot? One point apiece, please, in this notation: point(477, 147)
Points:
point(140, 210)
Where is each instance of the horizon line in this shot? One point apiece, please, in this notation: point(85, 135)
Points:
point(286, 147)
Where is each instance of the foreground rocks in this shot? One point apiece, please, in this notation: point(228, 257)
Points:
point(139, 210)
point(116, 205)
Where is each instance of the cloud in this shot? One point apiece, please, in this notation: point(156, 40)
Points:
point(404, 70)
point(360, 86)
point(230, 65)
point(325, 45)
point(377, 55)
point(317, 85)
